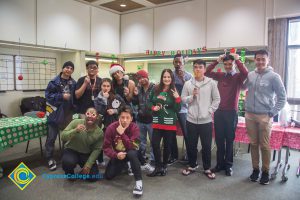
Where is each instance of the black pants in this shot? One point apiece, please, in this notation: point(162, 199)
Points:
point(225, 125)
point(115, 166)
point(167, 135)
point(71, 158)
point(173, 145)
point(205, 133)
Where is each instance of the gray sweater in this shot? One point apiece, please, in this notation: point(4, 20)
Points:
point(200, 109)
point(262, 90)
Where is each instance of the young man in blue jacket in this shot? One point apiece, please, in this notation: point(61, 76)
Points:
point(59, 108)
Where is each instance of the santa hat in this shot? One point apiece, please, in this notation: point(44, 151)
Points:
point(116, 67)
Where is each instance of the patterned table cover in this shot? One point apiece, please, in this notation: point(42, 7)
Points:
point(20, 129)
point(292, 138)
point(279, 136)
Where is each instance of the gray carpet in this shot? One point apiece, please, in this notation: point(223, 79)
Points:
point(173, 186)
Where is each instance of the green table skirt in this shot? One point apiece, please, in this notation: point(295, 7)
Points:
point(20, 129)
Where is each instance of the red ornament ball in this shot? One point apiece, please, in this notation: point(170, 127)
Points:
point(20, 77)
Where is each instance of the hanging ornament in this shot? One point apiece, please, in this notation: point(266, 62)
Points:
point(45, 62)
point(20, 77)
point(243, 55)
point(97, 57)
point(233, 50)
point(219, 70)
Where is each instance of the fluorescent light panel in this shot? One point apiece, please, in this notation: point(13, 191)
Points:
point(101, 60)
point(35, 47)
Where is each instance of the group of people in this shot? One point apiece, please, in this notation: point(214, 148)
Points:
point(198, 101)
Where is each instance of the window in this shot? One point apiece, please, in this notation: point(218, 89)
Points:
point(293, 61)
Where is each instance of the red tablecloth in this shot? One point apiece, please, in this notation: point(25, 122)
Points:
point(279, 137)
point(292, 138)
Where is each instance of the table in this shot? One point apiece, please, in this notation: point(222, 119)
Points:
point(280, 137)
point(20, 129)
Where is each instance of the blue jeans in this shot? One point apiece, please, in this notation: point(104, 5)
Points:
point(144, 129)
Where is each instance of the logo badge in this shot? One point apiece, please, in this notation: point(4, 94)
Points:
point(22, 176)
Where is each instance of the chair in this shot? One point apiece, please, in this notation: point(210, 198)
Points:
point(33, 114)
point(2, 115)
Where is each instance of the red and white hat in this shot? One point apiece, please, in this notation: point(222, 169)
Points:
point(116, 67)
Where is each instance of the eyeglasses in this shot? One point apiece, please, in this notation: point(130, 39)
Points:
point(89, 114)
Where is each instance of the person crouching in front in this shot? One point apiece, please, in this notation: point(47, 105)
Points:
point(121, 145)
point(84, 140)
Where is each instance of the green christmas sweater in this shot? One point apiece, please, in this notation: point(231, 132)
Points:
point(166, 117)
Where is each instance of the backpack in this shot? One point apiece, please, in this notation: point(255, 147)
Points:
point(29, 104)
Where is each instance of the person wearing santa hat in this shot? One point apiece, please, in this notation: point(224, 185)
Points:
point(121, 84)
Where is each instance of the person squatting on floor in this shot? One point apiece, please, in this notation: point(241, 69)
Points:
point(83, 140)
point(121, 145)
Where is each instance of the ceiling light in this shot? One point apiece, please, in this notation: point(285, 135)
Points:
point(123, 5)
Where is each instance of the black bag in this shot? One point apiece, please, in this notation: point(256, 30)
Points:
point(29, 104)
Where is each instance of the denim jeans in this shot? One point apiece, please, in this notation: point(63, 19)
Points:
point(144, 129)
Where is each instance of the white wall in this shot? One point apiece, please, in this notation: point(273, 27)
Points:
point(286, 8)
point(214, 23)
point(61, 22)
point(17, 20)
point(137, 32)
point(180, 26)
point(235, 23)
point(105, 31)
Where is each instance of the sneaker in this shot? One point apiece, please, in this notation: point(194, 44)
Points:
point(137, 190)
point(229, 172)
point(264, 180)
point(101, 164)
point(52, 164)
point(254, 176)
point(147, 167)
point(172, 161)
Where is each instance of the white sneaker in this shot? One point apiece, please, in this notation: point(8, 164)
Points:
point(100, 164)
point(147, 167)
point(137, 190)
point(52, 164)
